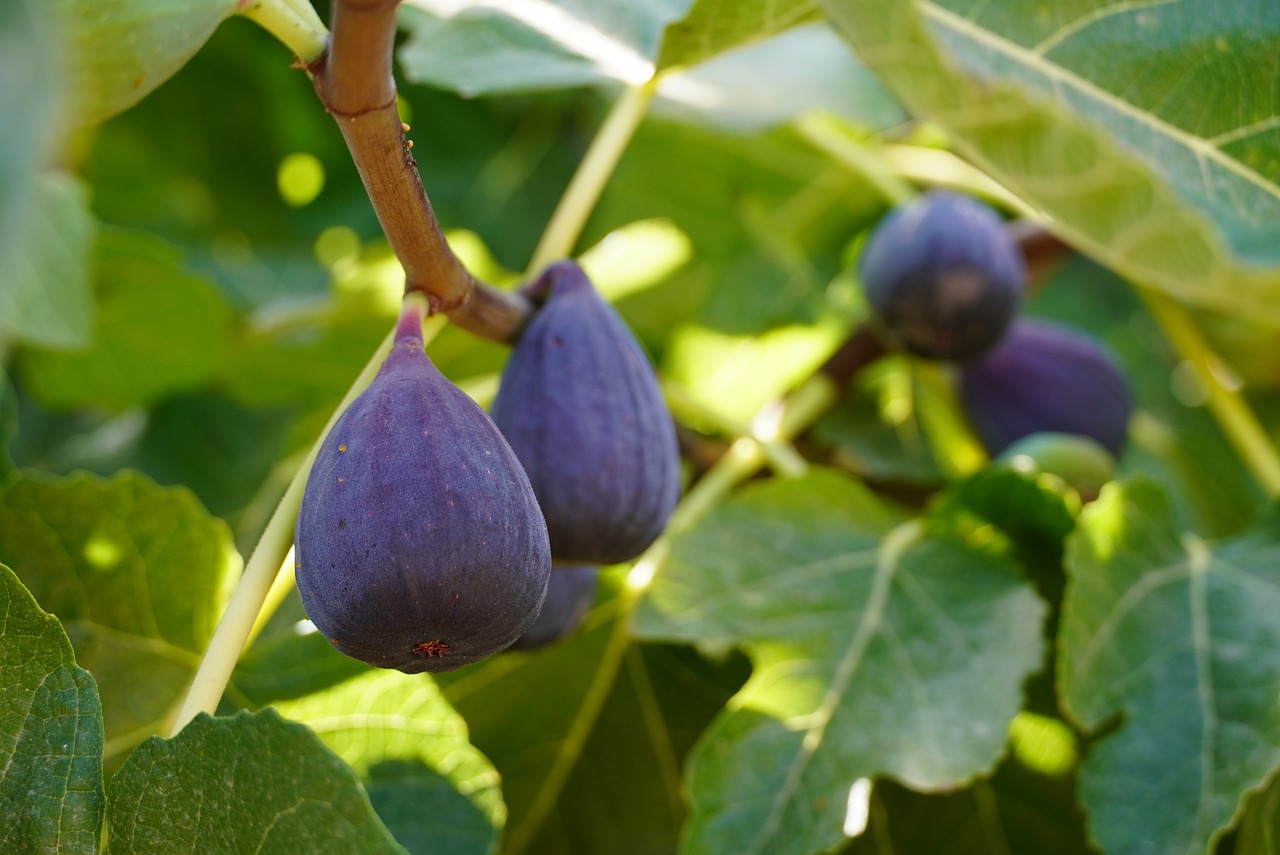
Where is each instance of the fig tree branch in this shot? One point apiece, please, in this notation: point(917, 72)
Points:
point(354, 81)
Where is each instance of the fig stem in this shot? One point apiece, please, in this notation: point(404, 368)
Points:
point(354, 81)
point(598, 164)
point(1228, 406)
point(293, 22)
point(260, 572)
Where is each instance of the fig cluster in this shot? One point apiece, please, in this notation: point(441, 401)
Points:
point(583, 411)
point(419, 544)
point(427, 528)
point(944, 280)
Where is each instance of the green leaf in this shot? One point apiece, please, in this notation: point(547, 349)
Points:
point(435, 792)
point(1175, 636)
point(123, 49)
point(50, 733)
point(516, 47)
point(159, 330)
point(248, 783)
point(876, 652)
point(45, 292)
point(1145, 131)
point(137, 573)
point(713, 26)
point(29, 102)
point(1260, 826)
point(766, 83)
point(624, 794)
point(522, 710)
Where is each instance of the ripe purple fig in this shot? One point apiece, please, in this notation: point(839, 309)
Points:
point(580, 405)
point(570, 593)
point(943, 276)
point(1046, 378)
point(419, 544)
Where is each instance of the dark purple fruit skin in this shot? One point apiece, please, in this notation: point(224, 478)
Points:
point(1045, 378)
point(419, 544)
point(570, 593)
point(580, 405)
point(943, 276)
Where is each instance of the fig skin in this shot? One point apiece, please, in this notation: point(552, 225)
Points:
point(943, 276)
point(1045, 378)
point(581, 407)
point(419, 544)
point(570, 593)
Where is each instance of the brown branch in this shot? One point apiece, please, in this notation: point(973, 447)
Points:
point(355, 83)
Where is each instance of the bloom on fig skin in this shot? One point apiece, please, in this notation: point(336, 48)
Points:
point(582, 409)
point(419, 543)
point(1045, 378)
point(943, 276)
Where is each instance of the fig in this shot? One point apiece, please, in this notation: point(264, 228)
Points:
point(1079, 461)
point(419, 544)
point(581, 407)
point(1046, 378)
point(570, 593)
point(943, 276)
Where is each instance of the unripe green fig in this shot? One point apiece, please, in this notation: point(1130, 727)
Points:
point(582, 409)
point(1046, 378)
point(419, 544)
point(570, 593)
point(943, 276)
point(1082, 463)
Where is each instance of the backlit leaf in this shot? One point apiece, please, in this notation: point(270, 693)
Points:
point(248, 783)
point(51, 795)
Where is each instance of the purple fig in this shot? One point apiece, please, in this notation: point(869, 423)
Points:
point(943, 276)
point(419, 544)
point(580, 405)
point(1044, 378)
point(570, 593)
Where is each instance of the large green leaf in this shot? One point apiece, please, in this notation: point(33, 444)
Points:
point(522, 709)
point(46, 295)
point(28, 101)
point(515, 46)
point(249, 783)
point(1146, 131)
point(136, 572)
point(876, 652)
point(123, 49)
point(50, 733)
point(1176, 637)
point(713, 26)
point(509, 46)
point(624, 793)
point(765, 83)
point(158, 330)
point(435, 792)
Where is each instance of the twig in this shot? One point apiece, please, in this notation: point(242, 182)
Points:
point(354, 82)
